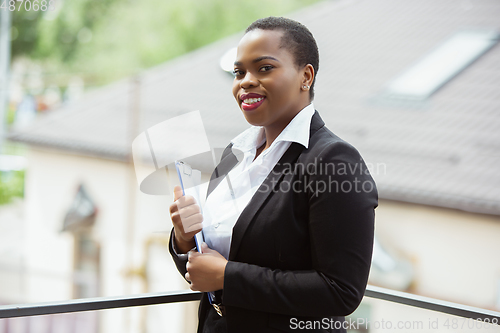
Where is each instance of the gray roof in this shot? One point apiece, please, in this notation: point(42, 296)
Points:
point(443, 152)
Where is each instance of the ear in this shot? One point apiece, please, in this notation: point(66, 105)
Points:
point(307, 76)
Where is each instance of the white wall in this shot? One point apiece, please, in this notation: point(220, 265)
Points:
point(455, 253)
point(11, 252)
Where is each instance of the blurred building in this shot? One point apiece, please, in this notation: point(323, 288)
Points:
point(412, 85)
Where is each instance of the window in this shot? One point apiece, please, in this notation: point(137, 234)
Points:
point(431, 72)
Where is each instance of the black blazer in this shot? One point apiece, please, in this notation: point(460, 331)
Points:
point(301, 249)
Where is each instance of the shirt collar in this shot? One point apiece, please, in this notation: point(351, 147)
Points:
point(298, 130)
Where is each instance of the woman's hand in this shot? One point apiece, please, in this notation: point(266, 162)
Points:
point(187, 220)
point(205, 270)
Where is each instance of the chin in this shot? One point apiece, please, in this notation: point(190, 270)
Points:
point(252, 121)
point(257, 117)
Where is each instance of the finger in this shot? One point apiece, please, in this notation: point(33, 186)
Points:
point(177, 192)
point(191, 223)
point(173, 208)
point(205, 248)
point(190, 230)
point(193, 229)
point(188, 221)
point(191, 256)
point(187, 277)
point(189, 210)
point(192, 211)
point(185, 200)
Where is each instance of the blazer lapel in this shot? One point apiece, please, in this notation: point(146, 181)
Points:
point(228, 161)
point(316, 124)
point(274, 177)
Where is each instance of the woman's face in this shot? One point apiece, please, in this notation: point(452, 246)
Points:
point(268, 85)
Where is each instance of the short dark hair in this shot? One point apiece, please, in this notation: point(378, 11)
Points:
point(296, 38)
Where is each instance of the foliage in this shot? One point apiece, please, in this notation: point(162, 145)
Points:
point(11, 185)
point(62, 36)
point(24, 30)
point(106, 40)
point(43, 34)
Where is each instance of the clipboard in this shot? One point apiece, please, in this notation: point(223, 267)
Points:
point(190, 180)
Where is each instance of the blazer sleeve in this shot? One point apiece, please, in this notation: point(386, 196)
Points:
point(341, 231)
point(180, 260)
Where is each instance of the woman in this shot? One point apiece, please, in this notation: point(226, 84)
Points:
point(295, 251)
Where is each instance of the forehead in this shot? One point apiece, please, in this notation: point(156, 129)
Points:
point(257, 43)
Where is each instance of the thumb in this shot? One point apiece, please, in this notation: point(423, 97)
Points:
point(177, 192)
point(205, 248)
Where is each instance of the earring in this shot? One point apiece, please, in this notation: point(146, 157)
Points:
point(305, 87)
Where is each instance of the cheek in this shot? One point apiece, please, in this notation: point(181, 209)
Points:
point(280, 90)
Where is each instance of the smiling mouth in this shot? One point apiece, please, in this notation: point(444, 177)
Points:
point(249, 104)
point(251, 101)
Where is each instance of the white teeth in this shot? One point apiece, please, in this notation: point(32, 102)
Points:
point(252, 100)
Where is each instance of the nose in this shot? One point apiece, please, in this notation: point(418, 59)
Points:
point(249, 81)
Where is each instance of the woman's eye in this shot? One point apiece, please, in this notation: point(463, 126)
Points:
point(237, 72)
point(265, 68)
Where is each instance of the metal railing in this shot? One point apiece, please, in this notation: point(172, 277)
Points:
point(102, 303)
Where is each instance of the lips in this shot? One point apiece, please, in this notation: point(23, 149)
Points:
point(251, 101)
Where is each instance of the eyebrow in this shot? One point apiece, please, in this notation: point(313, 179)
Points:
point(237, 63)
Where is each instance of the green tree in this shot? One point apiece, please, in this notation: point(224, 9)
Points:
point(24, 31)
point(11, 186)
point(106, 40)
point(55, 34)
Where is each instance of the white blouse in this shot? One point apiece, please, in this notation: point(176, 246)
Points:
point(226, 202)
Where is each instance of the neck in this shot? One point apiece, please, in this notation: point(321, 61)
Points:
point(273, 131)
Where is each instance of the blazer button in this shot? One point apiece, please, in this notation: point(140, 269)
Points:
point(216, 225)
